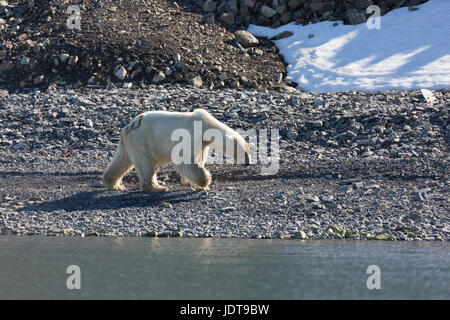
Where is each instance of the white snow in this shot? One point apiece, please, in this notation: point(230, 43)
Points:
point(410, 51)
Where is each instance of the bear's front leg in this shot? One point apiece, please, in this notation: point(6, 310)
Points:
point(198, 177)
point(147, 177)
point(153, 186)
point(119, 187)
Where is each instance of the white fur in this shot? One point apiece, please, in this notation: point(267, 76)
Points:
point(146, 143)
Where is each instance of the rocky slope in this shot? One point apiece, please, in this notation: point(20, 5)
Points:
point(123, 43)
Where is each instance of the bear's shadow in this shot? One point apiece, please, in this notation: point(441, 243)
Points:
point(104, 200)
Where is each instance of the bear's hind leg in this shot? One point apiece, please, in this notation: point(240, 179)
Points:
point(119, 166)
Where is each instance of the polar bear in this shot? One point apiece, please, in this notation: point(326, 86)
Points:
point(148, 141)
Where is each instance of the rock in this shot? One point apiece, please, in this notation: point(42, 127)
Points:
point(354, 16)
point(209, 6)
point(294, 4)
point(232, 7)
point(165, 204)
point(258, 52)
point(25, 61)
point(132, 65)
point(318, 102)
point(73, 60)
point(415, 2)
point(177, 234)
point(317, 124)
point(345, 188)
point(196, 82)
point(327, 198)
point(285, 17)
point(89, 123)
point(267, 11)
point(428, 96)
point(249, 3)
point(168, 71)
point(235, 84)
point(63, 57)
point(176, 57)
point(282, 35)
point(420, 196)
point(395, 3)
point(317, 5)
point(151, 234)
point(18, 146)
point(181, 66)
point(245, 38)
point(358, 184)
point(121, 73)
point(291, 135)
point(159, 77)
point(84, 102)
point(208, 18)
point(362, 4)
point(314, 199)
point(223, 77)
point(4, 4)
point(414, 216)
point(227, 18)
point(97, 184)
point(6, 66)
point(278, 77)
point(38, 80)
point(280, 9)
point(382, 236)
point(299, 235)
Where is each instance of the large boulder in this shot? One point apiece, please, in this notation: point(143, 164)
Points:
point(246, 39)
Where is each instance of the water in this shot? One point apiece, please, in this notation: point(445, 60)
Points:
point(149, 268)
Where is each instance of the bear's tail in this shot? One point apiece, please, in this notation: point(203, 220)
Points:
point(119, 166)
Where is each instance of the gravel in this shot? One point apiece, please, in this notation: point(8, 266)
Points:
point(352, 165)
